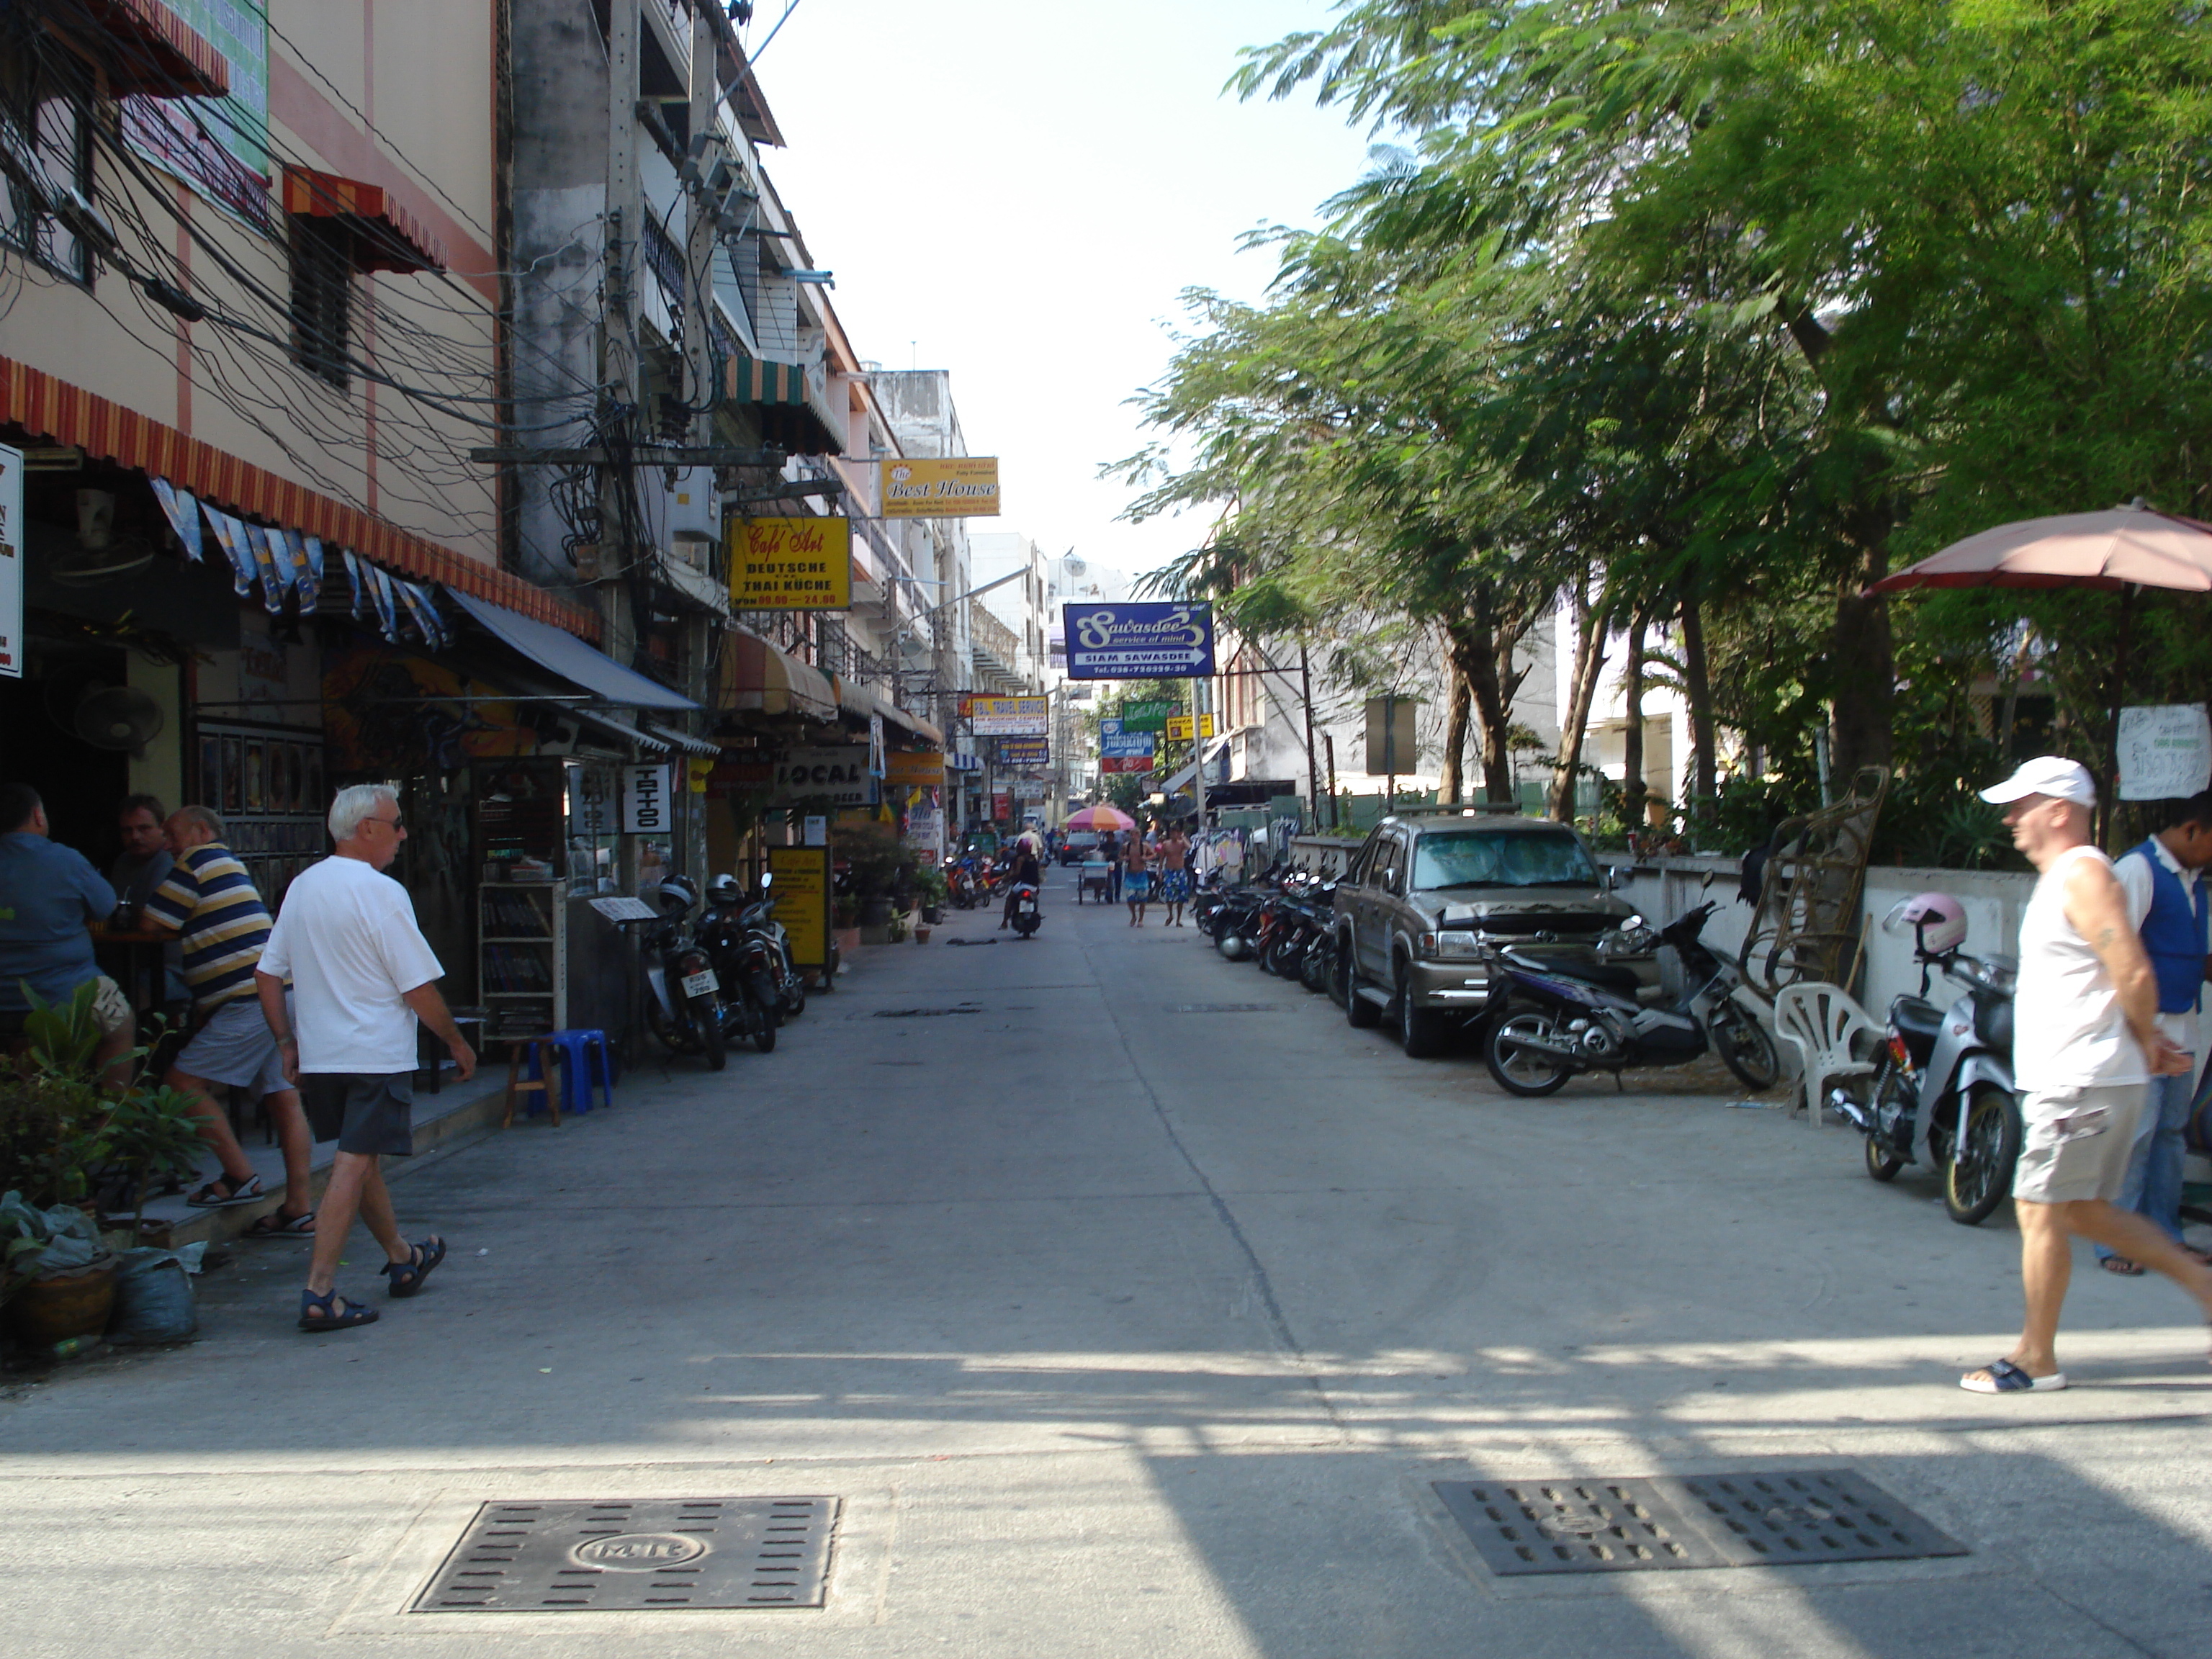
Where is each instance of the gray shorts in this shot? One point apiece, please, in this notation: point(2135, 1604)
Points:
point(2077, 1143)
point(368, 1112)
point(237, 1048)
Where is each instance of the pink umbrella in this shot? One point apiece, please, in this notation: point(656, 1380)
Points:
point(2127, 545)
point(1101, 818)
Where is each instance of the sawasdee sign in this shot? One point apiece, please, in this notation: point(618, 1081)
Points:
point(1140, 641)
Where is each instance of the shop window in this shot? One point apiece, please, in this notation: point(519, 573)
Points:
point(322, 298)
point(45, 148)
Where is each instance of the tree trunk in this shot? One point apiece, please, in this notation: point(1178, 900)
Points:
point(1591, 625)
point(1451, 782)
point(1632, 787)
point(1863, 657)
point(1697, 693)
point(1481, 643)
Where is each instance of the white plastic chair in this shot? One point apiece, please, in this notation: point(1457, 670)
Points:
point(1822, 1021)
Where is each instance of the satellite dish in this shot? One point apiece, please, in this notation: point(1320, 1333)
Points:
point(117, 717)
point(1075, 566)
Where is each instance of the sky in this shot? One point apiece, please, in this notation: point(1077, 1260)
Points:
point(1020, 192)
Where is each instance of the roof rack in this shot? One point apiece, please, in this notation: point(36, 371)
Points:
point(1459, 809)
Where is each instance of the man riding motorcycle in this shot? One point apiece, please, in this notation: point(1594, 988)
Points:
point(1023, 869)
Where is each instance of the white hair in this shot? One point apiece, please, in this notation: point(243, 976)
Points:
point(356, 803)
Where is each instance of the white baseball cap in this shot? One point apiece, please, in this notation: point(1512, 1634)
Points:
point(2047, 774)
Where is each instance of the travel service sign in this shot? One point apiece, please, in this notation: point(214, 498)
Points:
point(1140, 641)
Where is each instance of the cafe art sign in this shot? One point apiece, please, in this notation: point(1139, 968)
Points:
point(791, 564)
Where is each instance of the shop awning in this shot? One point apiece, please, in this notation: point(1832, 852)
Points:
point(160, 55)
point(757, 677)
point(856, 699)
point(623, 731)
point(1180, 780)
point(684, 741)
point(386, 237)
point(571, 658)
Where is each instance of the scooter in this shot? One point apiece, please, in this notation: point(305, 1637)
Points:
point(1943, 1095)
point(684, 995)
point(1560, 1012)
point(1027, 918)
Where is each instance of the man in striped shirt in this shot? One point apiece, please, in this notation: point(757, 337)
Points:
point(211, 901)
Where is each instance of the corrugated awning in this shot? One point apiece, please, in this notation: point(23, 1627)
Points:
point(685, 741)
point(572, 661)
point(53, 408)
point(757, 677)
point(622, 731)
point(160, 55)
point(1180, 780)
point(386, 237)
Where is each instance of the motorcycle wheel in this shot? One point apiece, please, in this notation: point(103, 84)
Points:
point(1878, 1164)
point(707, 1021)
point(764, 1024)
point(1979, 1173)
point(1282, 957)
point(794, 996)
point(1745, 1047)
point(1359, 1013)
point(673, 1038)
point(1524, 1071)
point(1314, 967)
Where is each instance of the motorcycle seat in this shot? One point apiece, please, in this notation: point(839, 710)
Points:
point(1575, 963)
point(1917, 1020)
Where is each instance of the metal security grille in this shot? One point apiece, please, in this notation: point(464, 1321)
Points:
point(1528, 1526)
point(641, 1556)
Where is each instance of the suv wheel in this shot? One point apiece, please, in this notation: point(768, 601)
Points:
point(1358, 1012)
point(1421, 1033)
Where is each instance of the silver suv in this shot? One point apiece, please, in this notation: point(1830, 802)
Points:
point(1426, 903)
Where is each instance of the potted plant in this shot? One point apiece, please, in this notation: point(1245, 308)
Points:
point(930, 885)
point(59, 1280)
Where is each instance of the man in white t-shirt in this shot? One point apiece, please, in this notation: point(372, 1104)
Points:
point(362, 976)
point(2086, 1041)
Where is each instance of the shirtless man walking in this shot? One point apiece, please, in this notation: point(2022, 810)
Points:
point(2086, 1045)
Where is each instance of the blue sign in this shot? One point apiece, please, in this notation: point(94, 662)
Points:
point(1124, 742)
point(1140, 641)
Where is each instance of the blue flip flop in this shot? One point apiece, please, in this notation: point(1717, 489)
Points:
point(2005, 1377)
point(407, 1276)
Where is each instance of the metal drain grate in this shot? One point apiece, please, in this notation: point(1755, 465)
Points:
point(1524, 1527)
point(644, 1556)
point(1225, 1007)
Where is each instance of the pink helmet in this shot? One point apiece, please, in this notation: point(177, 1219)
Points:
point(1937, 920)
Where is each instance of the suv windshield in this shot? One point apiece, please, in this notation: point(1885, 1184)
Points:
point(1501, 859)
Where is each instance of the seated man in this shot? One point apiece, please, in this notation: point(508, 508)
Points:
point(49, 897)
point(211, 901)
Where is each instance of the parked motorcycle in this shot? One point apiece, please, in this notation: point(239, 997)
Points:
point(1027, 917)
point(960, 885)
point(684, 995)
point(1557, 1012)
point(1943, 1094)
point(726, 897)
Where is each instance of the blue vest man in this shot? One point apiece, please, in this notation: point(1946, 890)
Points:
point(2171, 904)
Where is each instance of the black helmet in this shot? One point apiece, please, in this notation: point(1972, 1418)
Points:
point(675, 895)
point(724, 890)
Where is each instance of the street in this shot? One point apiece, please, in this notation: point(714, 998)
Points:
point(1129, 1302)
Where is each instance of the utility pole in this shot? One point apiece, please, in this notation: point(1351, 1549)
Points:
point(618, 335)
point(1313, 767)
point(1329, 742)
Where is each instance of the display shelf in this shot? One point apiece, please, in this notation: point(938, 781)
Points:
point(522, 957)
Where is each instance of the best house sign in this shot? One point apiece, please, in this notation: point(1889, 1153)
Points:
point(1140, 641)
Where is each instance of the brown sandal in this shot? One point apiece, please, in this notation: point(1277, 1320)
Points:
point(2120, 1265)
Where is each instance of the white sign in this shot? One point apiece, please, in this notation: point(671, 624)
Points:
point(817, 830)
point(836, 774)
point(2166, 752)
point(924, 831)
point(645, 801)
point(624, 909)
point(11, 562)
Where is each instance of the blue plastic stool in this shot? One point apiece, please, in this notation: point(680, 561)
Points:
point(585, 1060)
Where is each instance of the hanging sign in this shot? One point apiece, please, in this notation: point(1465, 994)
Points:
point(835, 774)
point(791, 564)
point(1010, 717)
point(644, 803)
point(1126, 763)
point(801, 891)
point(2166, 752)
point(1179, 727)
point(914, 768)
point(956, 487)
point(11, 563)
point(1140, 641)
point(1025, 751)
point(1151, 715)
point(1121, 745)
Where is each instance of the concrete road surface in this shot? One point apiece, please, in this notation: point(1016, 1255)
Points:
point(1121, 1323)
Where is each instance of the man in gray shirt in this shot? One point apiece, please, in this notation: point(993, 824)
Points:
point(138, 871)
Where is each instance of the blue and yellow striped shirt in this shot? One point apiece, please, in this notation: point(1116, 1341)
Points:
point(212, 901)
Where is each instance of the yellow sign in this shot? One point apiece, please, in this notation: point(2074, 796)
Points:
point(802, 900)
point(958, 487)
point(918, 769)
point(791, 564)
point(1179, 726)
point(696, 770)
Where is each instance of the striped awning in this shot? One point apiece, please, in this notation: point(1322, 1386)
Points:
point(755, 380)
point(158, 55)
point(386, 237)
point(67, 414)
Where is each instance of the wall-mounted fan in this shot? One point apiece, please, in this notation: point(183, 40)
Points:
point(117, 717)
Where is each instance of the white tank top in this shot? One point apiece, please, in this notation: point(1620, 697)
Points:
point(2067, 1029)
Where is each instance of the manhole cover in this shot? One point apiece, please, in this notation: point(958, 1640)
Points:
point(1523, 1527)
point(641, 1556)
point(1225, 1007)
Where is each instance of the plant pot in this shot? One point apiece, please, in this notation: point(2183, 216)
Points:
point(932, 915)
point(875, 912)
point(55, 1307)
point(921, 935)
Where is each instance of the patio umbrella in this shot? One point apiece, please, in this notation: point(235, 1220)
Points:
point(1101, 818)
point(2128, 546)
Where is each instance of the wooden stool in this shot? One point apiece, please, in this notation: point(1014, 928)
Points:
point(543, 1048)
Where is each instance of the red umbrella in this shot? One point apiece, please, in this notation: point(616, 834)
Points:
point(1101, 818)
point(2126, 546)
